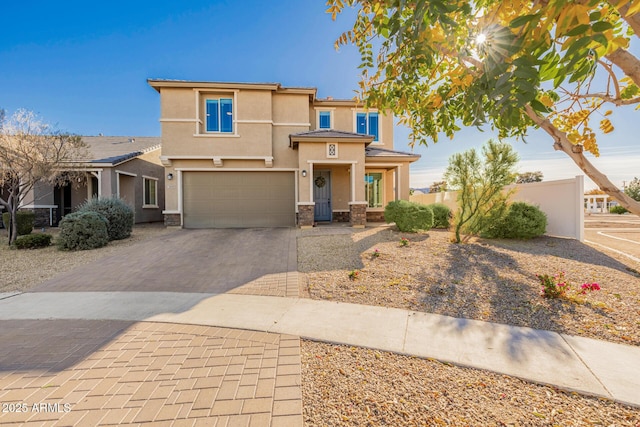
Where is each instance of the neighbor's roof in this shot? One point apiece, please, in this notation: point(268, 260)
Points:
point(112, 150)
point(383, 152)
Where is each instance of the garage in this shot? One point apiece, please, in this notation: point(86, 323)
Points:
point(238, 199)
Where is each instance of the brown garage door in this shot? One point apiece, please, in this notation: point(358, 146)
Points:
point(238, 199)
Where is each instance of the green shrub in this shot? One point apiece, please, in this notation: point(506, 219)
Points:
point(441, 215)
point(522, 221)
point(82, 230)
point(408, 216)
point(25, 219)
point(33, 241)
point(118, 214)
point(617, 209)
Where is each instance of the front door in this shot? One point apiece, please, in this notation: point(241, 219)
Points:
point(62, 198)
point(322, 195)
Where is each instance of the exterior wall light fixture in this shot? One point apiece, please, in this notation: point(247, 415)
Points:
point(170, 176)
point(304, 173)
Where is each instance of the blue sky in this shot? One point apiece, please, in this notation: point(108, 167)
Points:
point(85, 69)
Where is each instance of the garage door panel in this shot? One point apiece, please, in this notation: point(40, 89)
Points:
point(238, 199)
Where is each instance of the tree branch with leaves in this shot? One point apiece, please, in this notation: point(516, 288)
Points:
point(512, 66)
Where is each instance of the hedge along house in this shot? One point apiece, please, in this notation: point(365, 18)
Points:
point(124, 167)
point(264, 155)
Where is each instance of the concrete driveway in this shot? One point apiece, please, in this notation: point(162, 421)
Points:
point(202, 261)
point(106, 371)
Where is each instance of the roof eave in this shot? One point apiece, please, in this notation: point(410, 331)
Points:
point(157, 84)
point(404, 158)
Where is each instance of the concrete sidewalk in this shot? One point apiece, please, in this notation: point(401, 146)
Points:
point(584, 365)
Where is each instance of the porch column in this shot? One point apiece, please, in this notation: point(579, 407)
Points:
point(98, 176)
point(306, 209)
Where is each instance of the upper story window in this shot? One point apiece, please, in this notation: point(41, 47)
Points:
point(324, 119)
point(219, 115)
point(368, 124)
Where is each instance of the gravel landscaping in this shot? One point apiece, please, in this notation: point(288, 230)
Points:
point(349, 386)
point(490, 280)
point(31, 267)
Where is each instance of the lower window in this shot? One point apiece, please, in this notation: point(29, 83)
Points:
point(150, 192)
point(374, 189)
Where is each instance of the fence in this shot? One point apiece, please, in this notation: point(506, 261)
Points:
point(561, 200)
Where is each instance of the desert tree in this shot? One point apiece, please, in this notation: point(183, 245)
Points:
point(32, 151)
point(479, 183)
point(561, 66)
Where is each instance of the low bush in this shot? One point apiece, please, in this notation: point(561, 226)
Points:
point(25, 219)
point(33, 241)
point(118, 214)
point(441, 215)
point(522, 221)
point(408, 216)
point(617, 209)
point(82, 230)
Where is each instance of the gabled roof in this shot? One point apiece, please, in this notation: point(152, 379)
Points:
point(322, 135)
point(373, 152)
point(112, 150)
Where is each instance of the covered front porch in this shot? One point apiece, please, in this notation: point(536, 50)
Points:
point(331, 165)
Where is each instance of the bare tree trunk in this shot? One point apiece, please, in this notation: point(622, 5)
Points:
point(13, 225)
point(575, 152)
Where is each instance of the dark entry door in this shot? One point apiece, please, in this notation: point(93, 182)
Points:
point(62, 198)
point(322, 195)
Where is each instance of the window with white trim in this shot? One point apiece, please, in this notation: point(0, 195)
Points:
point(368, 124)
point(150, 190)
point(374, 189)
point(324, 119)
point(219, 115)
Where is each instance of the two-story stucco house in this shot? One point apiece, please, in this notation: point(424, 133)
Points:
point(264, 155)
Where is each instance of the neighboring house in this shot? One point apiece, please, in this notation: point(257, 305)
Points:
point(123, 167)
point(263, 155)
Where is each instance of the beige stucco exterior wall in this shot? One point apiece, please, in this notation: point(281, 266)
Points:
point(264, 119)
point(316, 152)
point(344, 119)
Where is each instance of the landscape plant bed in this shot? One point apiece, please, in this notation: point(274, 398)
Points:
point(352, 386)
point(489, 280)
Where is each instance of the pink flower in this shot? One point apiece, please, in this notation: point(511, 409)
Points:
point(590, 287)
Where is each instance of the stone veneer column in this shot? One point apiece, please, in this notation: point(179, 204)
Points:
point(358, 214)
point(172, 220)
point(305, 214)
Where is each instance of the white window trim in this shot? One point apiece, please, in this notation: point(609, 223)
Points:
point(199, 96)
point(329, 156)
point(324, 109)
point(372, 110)
point(382, 185)
point(144, 193)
